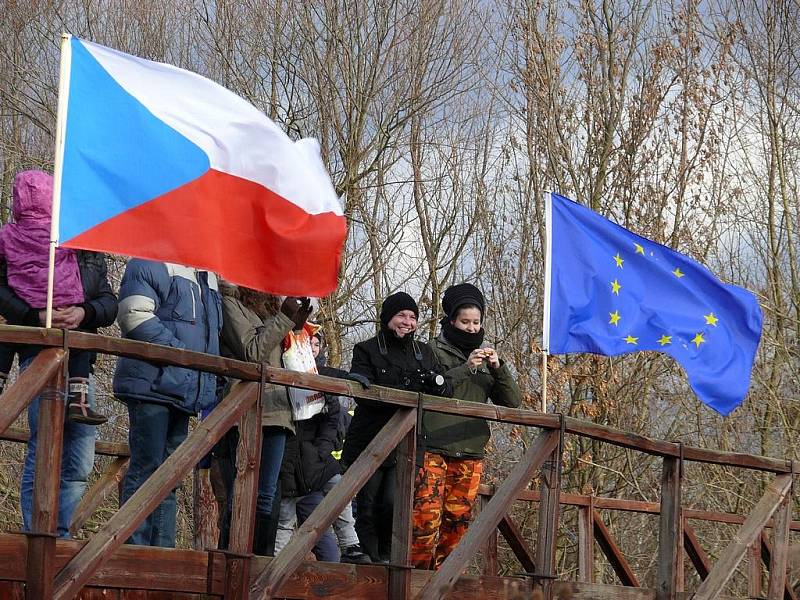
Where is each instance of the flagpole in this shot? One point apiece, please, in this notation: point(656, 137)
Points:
point(58, 166)
point(548, 253)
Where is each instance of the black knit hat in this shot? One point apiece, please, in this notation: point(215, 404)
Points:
point(394, 304)
point(458, 295)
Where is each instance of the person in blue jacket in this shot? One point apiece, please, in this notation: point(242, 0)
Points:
point(180, 307)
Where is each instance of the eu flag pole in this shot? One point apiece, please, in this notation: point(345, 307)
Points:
point(609, 291)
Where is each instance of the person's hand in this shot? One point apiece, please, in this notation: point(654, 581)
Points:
point(303, 312)
point(290, 306)
point(491, 357)
point(43, 317)
point(475, 359)
point(68, 318)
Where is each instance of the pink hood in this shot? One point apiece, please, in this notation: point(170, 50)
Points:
point(25, 243)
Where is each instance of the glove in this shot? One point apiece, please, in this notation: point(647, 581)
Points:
point(303, 312)
point(358, 377)
point(290, 307)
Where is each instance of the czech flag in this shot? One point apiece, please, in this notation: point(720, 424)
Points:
point(160, 163)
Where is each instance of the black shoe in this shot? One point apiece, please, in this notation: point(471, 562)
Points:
point(354, 555)
point(79, 410)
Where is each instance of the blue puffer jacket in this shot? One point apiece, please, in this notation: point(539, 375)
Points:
point(175, 306)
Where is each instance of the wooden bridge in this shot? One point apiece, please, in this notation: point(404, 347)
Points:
point(37, 565)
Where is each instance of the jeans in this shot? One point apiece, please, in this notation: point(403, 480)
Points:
point(344, 525)
point(273, 442)
point(77, 460)
point(156, 430)
point(297, 510)
point(375, 507)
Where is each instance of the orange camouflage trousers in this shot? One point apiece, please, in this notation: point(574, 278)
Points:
point(444, 494)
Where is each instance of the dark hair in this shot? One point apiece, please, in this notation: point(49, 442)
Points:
point(463, 306)
point(261, 303)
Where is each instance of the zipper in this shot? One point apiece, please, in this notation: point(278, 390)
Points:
point(194, 305)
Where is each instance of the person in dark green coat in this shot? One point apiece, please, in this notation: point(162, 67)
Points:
point(452, 447)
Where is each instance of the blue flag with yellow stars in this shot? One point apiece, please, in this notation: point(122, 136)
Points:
point(609, 291)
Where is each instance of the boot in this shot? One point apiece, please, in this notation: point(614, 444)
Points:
point(264, 536)
point(78, 410)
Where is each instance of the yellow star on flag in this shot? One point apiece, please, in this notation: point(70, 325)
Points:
point(614, 317)
point(616, 287)
point(619, 260)
point(678, 273)
point(639, 249)
point(629, 339)
point(665, 340)
point(711, 319)
point(698, 339)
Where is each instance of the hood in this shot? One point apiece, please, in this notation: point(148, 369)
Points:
point(32, 196)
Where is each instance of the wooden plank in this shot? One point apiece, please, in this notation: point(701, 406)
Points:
point(80, 569)
point(489, 565)
point(46, 486)
point(245, 492)
point(101, 447)
point(97, 494)
point(780, 550)
point(270, 579)
point(402, 519)
point(723, 570)
point(585, 544)
point(549, 512)
point(490, 517)
point(599, 591)
point(766, 557)
point(754, 572)
point(27, 386)
point(95, 593)
point(613, 553)
point(12, 590)
point(697, 555)
point(669, 530)
point(517, 543)
point(205, 510)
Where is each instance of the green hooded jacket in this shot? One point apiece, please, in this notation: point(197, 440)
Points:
point(466, 437)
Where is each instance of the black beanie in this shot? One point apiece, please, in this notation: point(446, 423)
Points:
point(394, 304)
point(459, 295)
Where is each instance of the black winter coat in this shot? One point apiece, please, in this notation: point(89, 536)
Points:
point(307, 460)
point(100, 302)
point(391, 362)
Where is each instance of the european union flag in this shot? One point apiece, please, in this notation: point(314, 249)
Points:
point(609, 291)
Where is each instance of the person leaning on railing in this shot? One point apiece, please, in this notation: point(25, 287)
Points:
point(393, 358)
point(451, 447)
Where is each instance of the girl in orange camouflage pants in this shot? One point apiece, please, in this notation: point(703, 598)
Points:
point(453, 446)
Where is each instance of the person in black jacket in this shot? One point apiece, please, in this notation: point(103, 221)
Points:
point(99, 310)
point(393, 358)
point(307, 466)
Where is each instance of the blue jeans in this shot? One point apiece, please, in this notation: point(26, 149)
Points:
point(296, 511)
point(77, 460)
point(273, 442)
point(156, 430)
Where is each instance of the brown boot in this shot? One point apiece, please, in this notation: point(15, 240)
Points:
point(78, 410)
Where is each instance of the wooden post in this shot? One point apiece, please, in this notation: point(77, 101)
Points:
point(486, 523)
point(30, 382)
point(549, 510)
point(489, 566)
point(766, 558)
point(723, 570)
point(46, 487)
point(275, 573)
point(780, 550)
point(402, 519)
point(586, 542)
point(98, 549)
point(754, 573)
point(669, 532)
point(245, 492)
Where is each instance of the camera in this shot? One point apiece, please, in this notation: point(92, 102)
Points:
point(423, 380)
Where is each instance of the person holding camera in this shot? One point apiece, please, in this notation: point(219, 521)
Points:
point(452, 447)
point(393, 358)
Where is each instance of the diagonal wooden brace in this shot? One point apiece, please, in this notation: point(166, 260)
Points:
point(723, 570)
point(517, 543)
point(613, 553)
point(28, 385)
point(96, 495)
point(489, 518)
point(78, 571)
point(281, 567)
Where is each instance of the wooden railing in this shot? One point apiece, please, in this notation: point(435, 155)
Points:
point(45, 578)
